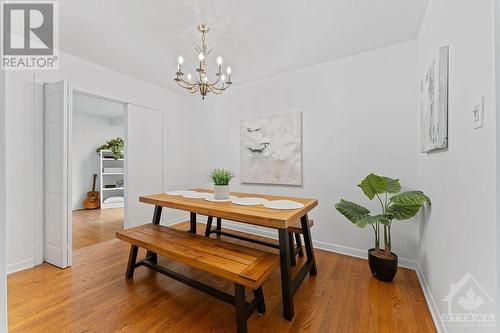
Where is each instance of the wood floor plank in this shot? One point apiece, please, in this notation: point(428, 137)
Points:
point(95, 226)
point(93, 296)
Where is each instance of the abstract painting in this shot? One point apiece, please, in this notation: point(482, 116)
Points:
point(434, 103)
point(271, 149)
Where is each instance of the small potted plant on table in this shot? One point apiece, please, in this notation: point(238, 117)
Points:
point(402, 206)
point(221, 179)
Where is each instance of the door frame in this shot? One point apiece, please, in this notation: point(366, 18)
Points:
point(39, 241)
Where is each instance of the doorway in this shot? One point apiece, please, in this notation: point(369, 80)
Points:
point(144, 138)
point(98, 163)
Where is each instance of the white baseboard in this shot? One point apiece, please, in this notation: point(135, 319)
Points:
point(20, 265)
point(431, 302)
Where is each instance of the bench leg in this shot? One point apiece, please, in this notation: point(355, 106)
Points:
point(293, 262)
point(286, 275)
point(132, 258)
point(151, 256)
point(298, 240)
point(209, 226)
point(258, 294)
point(241, 318)
point(308, 243)
point(192, 223)
point(219, 226)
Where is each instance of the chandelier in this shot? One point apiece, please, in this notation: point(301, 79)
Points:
point(201, 83)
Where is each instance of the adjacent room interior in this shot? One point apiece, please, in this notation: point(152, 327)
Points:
point(97, 169)
point(253, 166)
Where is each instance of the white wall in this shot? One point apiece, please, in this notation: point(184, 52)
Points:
point(358, 117)
point(90, 132)
point(24, 143)
point(3, 282)
point(458, 233)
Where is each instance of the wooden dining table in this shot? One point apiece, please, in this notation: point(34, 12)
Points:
point(277, 219)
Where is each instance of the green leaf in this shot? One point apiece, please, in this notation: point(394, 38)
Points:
point(372, 220)
point(402, 212)
point(372, 185)
point(393, 185)
point(352, 211)
point(410, 198)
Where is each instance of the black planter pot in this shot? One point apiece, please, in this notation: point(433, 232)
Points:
point(383, 269)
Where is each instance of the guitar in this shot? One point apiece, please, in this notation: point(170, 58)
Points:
point(92, 201)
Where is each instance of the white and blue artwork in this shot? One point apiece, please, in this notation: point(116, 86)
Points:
point(271, 149)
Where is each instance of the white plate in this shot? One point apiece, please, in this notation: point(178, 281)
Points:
point(196, 195)
point(211, 198)
point(182, 192)
point(283, 204)
point(249, 201)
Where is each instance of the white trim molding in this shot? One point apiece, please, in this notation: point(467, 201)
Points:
point(20, 265)
point(431, 302)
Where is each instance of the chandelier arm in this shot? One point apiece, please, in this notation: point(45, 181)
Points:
point(217, 91)
point(184, 85)
point(194, 90)
point(187, 83)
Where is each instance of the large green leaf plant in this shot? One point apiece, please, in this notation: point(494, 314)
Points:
point(401, 206)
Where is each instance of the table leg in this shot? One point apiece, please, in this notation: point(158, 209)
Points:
point(153, 257)
point(299, 244)
point(286, 275)
point(219, 226)
point(308, 244)
point(293, 261)
point(209, 226)
point(192, 223)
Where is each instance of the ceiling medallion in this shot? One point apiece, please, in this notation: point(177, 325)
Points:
point(202, 83)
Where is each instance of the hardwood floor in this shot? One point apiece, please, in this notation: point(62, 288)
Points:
point(93, 296)
point(95, 226)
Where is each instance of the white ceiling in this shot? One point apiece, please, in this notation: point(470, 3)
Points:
point(97, 106)
point(257, 38)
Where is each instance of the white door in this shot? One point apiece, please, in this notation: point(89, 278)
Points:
point(57, 174)
point(143, 162)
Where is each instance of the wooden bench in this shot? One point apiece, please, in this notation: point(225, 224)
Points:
point(295, 230)
point(245, 267)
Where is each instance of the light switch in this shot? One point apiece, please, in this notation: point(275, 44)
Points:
point(478, 114)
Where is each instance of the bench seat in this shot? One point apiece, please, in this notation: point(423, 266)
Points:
point(239, 264)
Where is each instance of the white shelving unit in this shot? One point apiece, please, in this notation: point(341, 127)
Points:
point(109, 178)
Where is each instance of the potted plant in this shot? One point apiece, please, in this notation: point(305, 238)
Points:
point(221, 178)
point(402, 206)
point(115, 145)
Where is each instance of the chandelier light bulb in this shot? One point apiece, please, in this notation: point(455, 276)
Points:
point(180, 60)
point(223, 78)
point(205, 79)
point(201, 56)
point(228, 70)
point(189, 77)
point(219, 60)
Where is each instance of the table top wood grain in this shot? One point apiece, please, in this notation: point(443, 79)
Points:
point(257, 215)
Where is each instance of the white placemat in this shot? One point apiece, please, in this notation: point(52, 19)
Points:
point(249, 201)
point(283, 204)
point(180, 192)
point(211, 198)
point(196, 195)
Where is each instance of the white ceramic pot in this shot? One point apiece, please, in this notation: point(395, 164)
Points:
point(221, 192)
